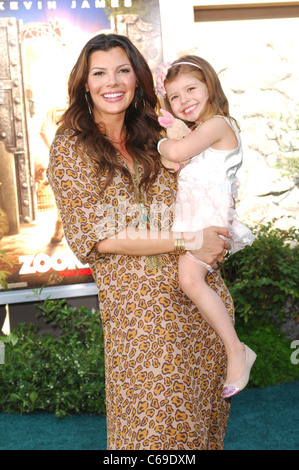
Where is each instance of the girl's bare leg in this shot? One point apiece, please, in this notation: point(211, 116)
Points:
point(192, 281)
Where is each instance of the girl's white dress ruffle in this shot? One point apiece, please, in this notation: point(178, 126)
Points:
point(207, 189)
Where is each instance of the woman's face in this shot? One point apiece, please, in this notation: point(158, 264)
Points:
point(111, 82)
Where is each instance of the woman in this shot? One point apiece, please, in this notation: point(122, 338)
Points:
point(164, 365)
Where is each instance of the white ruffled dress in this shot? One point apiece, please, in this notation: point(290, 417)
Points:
point(207, 189)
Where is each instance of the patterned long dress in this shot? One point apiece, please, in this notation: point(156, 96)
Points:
point(165, 367)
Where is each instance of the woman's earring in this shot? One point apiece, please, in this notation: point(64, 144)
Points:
point(87, 101)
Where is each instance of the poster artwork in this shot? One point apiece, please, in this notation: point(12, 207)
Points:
point(40, 42)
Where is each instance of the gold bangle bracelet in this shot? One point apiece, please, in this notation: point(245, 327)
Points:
point(179, 246)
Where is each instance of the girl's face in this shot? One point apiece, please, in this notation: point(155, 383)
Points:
point(111, 82)
point(187, 97)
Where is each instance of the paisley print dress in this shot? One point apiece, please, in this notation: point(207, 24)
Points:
point(165, 366)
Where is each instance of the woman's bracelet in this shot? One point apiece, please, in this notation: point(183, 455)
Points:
point(179, 246)
point(159, 143)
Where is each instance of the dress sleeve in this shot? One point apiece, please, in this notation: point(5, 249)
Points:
point(82, 208)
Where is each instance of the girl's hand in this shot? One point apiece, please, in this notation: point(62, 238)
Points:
point(208, 244)
point(168, 164)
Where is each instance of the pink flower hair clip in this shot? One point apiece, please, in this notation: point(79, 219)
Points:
point(160, 78)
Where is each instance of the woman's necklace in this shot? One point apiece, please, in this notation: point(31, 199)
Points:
point(152, 261)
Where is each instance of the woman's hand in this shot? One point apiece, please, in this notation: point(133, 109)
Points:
point(208, 244)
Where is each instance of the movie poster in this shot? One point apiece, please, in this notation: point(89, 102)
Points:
point(40, 42)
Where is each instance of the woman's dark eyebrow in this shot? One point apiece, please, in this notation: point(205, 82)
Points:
point(104, 68)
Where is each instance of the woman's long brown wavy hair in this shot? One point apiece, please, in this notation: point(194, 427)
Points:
point(143, 128)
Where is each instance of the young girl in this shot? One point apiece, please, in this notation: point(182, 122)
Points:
point(207, 185)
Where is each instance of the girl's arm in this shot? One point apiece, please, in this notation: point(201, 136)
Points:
point(211, 133)
point(206, 244)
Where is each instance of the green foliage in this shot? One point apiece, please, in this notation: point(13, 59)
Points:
point(61, 373)
point(64, 372)
point(264, 277)
point(273, 365)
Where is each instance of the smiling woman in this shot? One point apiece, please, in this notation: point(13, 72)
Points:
point(164, 366)
point(111, 83)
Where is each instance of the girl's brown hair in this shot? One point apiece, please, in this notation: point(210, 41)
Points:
point(203, 71)
point(143, 129)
